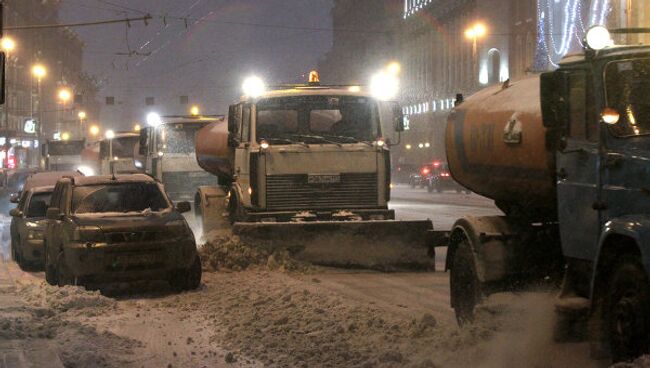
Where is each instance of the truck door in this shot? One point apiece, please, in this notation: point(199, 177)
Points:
point(578, 173)
point(242, 152)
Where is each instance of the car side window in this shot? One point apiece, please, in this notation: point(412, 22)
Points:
point(23, 201)
point(64, 200)
point(583, 124)
point(56, 195)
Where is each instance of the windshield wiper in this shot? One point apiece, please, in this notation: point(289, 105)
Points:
point(316, 137)
point(285, 140)
point(351, 139)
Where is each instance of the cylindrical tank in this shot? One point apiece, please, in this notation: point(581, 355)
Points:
point(212, 151)
point(497, 147)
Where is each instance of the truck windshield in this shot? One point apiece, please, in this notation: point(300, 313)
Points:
point(628, 88)
point(317, 119)
point(63, 148)
point(178, 138)
point(118, 198)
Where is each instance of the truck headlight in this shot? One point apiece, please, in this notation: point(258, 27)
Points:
point(88, 234)
point(35, 235)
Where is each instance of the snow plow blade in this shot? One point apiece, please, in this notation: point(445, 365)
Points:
point(381, 245)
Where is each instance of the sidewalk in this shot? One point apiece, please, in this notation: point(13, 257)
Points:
point(20, 352)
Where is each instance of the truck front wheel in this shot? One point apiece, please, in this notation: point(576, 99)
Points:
point(51, 276)
point(627, 311)
point(464, 284)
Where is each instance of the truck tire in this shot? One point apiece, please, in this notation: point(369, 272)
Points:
point(464, 284)
point(50, 270)
point(64, 277)
point(627, 311)
point(188, 279)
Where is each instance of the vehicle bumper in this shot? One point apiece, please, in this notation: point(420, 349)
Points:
point(325, 215)
point(32, 251)
point(101, 262)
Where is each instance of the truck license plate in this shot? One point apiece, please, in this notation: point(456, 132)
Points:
point(323, 179)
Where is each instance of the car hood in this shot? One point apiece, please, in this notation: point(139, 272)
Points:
point(154, 221)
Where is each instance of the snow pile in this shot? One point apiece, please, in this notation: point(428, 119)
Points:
point(642, 362)
point(63, 299)
point(5, 237)
point(224, 251)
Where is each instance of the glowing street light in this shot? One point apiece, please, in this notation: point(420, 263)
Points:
point(195, 111)
point(110, 134)
point(137, 127)
point(39, 71)
point(65, 136)
point(81, 115)
point(94, 130)
point(7, 44)
point(154, 119)
point(394, 68)
point(384, 86)
point(474, 33)
point(64, 95)
point(253, 87)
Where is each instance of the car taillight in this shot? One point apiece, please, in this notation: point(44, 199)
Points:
point(445, 174)
point(425, 171)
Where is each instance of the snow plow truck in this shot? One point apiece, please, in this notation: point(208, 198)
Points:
point(306, 168)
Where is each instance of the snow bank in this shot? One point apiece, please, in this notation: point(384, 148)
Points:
point(5, 237)
point(642, 362)
point(63, 299)
point(224, 251)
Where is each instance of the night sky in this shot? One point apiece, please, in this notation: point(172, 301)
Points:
point(279, 40)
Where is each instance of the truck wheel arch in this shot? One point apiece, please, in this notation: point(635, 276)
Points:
point(487, 237)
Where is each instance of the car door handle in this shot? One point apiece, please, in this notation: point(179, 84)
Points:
point(562, 174)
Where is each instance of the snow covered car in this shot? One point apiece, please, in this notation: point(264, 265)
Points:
point(118, 228)
point(27, 226)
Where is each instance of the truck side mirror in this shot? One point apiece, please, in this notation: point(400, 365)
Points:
point(144, 141)
point(555, 98)
point(15, 212)
point(398, 118)
point(3, 61)
point(53, 213)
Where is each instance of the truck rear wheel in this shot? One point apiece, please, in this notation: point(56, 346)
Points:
point(50, 269)
point(464, 284)
point(627, 311)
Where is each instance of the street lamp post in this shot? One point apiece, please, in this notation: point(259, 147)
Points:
point(82, 117)
point(39, 72)
point(473, 33)
point(8, 45)
point(64, 96)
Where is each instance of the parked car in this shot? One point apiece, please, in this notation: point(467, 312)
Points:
point(39, 179)
point(441, 180)
point(122, 228)
point(27, 227)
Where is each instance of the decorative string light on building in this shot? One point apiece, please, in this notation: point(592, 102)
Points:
point(413, 6)
point(558, 37)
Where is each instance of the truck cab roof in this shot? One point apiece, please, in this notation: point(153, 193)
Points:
point(311, 91)
point(614, 51)
point(107, 179)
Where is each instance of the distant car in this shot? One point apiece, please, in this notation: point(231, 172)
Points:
point(123, 228)
point(441, 180)
point(27, 226)
point(421, 177)
point(40, 179)
point(15, 181)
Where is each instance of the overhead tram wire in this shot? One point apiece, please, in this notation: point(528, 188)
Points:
point(145, 19)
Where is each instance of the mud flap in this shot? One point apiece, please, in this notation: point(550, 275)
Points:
point(382, 245)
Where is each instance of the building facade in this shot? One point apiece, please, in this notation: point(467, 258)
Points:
point(443, 53)
point(29, 98)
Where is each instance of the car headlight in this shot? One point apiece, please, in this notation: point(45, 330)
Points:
point(88, 234)
point(35, 235)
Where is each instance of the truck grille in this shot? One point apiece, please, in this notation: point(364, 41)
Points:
point(293, 192)
point(138, 237)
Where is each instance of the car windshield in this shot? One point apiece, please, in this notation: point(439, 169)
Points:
point(178, 138)
point(628, 87)
point(38, 204)
point(65, 148)
point(118, 198)
point(317, 119)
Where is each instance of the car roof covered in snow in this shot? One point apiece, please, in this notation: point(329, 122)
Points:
point(44, 189)
point(108, 179)
point(47, 178)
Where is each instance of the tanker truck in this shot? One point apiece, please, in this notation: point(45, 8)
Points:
point(566, 156)
point(306, 168)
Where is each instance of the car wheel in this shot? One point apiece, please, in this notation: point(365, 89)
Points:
point(188, 279)
point(64, 276)
point(50, 270)
point(464, 284)
point(13, 250)
point(627, 311)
